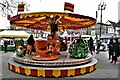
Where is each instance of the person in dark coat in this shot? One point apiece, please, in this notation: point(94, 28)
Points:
point(22, 42)
point(110, 46)
point(91, 45)
point(80, 40)
point(117, 47)
point(31, 42)
point(5, 45)
point(116, 53)
point(98, 46)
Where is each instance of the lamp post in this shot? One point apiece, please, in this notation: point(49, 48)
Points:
point(101, 7)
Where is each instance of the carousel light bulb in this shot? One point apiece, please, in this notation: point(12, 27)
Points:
point(51, 16)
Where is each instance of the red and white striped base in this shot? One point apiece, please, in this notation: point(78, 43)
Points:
point(53, 71)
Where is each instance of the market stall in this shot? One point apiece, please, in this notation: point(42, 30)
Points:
point(11, 37)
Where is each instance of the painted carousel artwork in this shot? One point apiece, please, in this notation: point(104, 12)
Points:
point(48, 60)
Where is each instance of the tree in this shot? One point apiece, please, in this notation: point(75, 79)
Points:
point(8, 7)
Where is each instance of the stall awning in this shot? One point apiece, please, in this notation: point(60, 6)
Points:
point(107, 36)
point(14, 34)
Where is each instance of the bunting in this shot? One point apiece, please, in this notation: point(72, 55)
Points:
point(20, 7)
point(69, 6)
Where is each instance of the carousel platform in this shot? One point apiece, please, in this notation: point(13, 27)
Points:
point(65, 66)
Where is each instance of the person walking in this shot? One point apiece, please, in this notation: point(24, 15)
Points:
point(91, 45)
point(98, 46)
point(110, 46)
point(116, 53)
point(5, 45)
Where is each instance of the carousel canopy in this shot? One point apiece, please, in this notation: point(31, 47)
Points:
point(41, 20)
point(14, 34)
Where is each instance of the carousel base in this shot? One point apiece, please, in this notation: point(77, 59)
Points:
point(50, 71)
point(64, 59)
point(46, 58)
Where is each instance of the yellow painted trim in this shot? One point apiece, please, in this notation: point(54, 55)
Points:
point(43, 13)
point(56, 73)
point(10, 67)
point(17, 69)
point(91, 68)
point(71, 72)
point(96, 66)
point(41, 73)
point(83, 70)
point(27, 71)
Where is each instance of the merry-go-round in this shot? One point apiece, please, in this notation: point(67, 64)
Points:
point(48, 60)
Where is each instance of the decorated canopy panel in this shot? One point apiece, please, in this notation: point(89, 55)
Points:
point(42, 20)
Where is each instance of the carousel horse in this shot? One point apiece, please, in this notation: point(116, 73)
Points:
point(29, 49)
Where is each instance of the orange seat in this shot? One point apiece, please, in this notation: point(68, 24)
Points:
point(40, 45)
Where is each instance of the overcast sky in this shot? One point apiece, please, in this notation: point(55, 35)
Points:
point(83, 7)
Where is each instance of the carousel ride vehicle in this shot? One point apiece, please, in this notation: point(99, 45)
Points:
point(46, 62)
point(78, 48)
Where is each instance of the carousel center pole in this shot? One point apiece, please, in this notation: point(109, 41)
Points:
point(54, 26)
point(53, 33)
